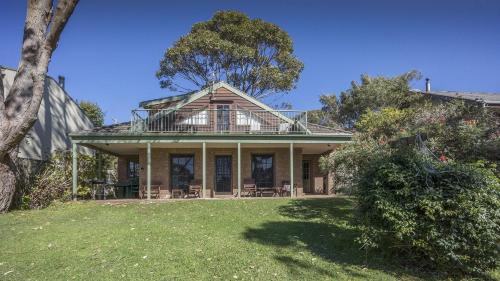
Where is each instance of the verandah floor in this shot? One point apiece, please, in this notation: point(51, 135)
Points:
point(254, 239)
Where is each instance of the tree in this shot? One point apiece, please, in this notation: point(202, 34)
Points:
point(94, 112)
point(373, 93)
point(328, 114)
point(421, 174)
point(252, 55)
point(19, 108)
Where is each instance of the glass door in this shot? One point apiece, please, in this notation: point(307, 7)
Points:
point(306, 175)
point(223, 117)
point(223, 174)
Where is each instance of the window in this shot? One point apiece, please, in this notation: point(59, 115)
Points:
point(133, 169)
point(263, 170)
point(181, 170)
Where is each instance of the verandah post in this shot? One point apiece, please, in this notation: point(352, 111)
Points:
point(204, 168)
point(239, 170)
point(148, 183)
point(74, 158)
point(291, 169)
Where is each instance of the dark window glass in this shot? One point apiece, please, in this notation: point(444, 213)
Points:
point(305, 170)
point(223, 173)
point(263, 170)
point(181, 171)
point(133, 170)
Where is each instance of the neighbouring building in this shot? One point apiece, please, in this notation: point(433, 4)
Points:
point(58, 116)
point(221, 138)
point(491, 101)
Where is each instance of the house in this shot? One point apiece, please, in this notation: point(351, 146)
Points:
point(491, 101)
point(58, 115)
point(221, 138)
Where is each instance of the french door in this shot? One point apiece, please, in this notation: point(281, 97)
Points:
point(306, 175)
point(223, 112)
point(223, 173)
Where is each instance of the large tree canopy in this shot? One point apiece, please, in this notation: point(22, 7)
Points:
point(373, 93)
point(250, 54)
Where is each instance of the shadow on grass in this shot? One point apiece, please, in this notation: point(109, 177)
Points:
point(323, 227)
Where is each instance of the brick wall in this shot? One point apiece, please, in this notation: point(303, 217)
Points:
point(160, 166)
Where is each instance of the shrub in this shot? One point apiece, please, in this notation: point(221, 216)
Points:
point(442, 215)
point(54, 181)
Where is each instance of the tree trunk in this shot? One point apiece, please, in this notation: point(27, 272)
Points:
point(19, 109)
point(8, 172)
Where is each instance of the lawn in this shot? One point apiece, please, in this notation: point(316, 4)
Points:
point(254, 239)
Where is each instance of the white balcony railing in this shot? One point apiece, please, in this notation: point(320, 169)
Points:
point(219, 121)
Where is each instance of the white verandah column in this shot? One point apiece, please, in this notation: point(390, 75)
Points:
point(204, 168)
point(239, 170)
point(74, 171)
point(291, 170)
point(148, 180)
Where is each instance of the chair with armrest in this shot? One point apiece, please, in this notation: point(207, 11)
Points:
point(194, 188)
point(249, 187)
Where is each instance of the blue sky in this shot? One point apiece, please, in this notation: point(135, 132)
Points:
point(110, 50)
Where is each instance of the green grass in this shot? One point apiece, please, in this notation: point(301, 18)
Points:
point(282, 239)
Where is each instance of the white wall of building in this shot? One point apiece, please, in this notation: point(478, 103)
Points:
point(58, 116)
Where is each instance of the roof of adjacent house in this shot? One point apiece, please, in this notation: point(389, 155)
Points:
point(488, 99)
point(163, 100)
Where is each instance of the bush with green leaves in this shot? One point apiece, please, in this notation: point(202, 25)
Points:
point(442, 215)
point(54, 181)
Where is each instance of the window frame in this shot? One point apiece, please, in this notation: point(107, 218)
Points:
point(273, 168)
point(171, 173)
point(136, 168)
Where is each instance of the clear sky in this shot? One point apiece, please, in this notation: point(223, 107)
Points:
point(110, 50)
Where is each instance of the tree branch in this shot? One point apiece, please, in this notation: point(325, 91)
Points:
point(25, 96)
point(63, 12)
point(2, 98)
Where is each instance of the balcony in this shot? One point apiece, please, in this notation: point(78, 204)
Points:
point(219, 121)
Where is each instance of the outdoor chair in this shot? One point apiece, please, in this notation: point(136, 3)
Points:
point(155, 191)
point(249, 187)
point(285, 189)
point(194, 188)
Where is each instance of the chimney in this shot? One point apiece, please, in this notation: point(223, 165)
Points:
point(427, 85)
point(61, 81)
